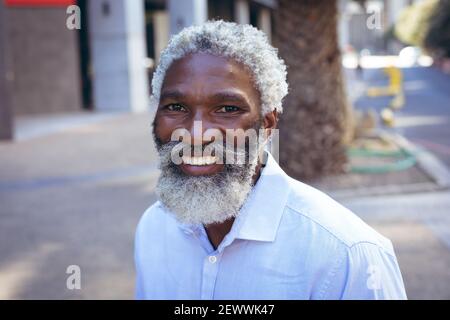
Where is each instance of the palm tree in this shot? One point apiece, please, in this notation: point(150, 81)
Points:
point(314, 125)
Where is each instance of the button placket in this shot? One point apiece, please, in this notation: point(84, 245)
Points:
point(210, 271)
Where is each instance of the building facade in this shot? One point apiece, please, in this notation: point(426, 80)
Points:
point(47, 66)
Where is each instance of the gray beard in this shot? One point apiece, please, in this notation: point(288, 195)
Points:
point(204, 199)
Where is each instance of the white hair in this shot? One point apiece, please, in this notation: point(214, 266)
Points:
point(242, 43)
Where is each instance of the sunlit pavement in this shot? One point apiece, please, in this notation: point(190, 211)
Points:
point(74, 198)
point(419, 227)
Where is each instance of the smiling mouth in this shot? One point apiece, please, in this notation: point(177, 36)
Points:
point(199, 161)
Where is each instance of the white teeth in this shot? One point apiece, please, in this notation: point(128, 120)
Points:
point(199, 161)
point(210, 160)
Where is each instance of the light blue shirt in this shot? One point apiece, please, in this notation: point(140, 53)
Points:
point(289, 241)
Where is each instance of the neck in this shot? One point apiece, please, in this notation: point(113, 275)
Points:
point(217, 231)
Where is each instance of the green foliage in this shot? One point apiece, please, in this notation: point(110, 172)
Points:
point(413, 23)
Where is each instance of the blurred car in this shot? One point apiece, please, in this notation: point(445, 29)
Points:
point(409, 56)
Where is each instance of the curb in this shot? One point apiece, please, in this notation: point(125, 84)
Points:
point(384, 190)
point(434, 168)
point(427, 161)
point(31, 127)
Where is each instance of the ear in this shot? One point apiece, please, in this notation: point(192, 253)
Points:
point(270, 122)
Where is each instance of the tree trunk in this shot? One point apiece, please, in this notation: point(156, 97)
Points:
point(313, 125)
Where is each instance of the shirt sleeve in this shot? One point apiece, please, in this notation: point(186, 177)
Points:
point(368, 272)
point(139, 294)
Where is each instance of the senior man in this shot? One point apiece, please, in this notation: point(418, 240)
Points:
point(229, 229)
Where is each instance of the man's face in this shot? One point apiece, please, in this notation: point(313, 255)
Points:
point(220, 94)
point(214, 90)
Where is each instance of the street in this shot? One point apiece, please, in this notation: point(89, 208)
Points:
point(425, 118)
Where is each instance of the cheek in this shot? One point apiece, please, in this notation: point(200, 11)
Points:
point(243, 122)
point(163, 129)
point(251, 122)
point(248, 133)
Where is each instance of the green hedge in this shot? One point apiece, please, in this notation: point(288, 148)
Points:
point(414, 22)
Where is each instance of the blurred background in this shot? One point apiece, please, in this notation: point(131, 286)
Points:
point(367, 120)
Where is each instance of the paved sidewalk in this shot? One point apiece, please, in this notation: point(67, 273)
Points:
point(74, 198)
point(419, 227)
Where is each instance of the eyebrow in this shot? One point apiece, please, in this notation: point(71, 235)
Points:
point(230, 96)
point(218, 97)
point(176, 95)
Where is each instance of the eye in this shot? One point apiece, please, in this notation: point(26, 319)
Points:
point(175, 107)
point(227, 109)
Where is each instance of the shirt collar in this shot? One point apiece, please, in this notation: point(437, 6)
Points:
point(261, 213)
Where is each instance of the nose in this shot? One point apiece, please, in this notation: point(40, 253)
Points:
point(197, 127)
point(196, 131)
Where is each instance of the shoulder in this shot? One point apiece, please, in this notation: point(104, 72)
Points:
point(331, 219)
point(154, 212)
point(338, 245)
point(154, 220)
point(151, 214)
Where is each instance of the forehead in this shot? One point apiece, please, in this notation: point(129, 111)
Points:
point(202, 73)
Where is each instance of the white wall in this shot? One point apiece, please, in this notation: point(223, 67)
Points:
point(242, 11)
point(118, 50)
point(184, 13)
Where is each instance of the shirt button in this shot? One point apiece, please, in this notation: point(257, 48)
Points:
point(212, 259)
